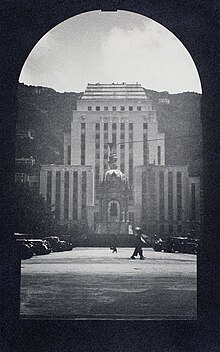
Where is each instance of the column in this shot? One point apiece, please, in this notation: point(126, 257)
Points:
point(53, 195)
point(165, 195)
point(174, 196)
point(138, 143)
point(126, 148)
point(101, 147)
point(80, 195)
point(62, 195)
point(118, 140)
point(43, 183)
point(76, 142)
point(90, 143)
point(90, 188)
point(70, 194)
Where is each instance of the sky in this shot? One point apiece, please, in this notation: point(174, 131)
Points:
point(107, 47)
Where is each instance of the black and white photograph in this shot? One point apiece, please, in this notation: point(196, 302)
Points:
point(109, 157)
point(110, 170)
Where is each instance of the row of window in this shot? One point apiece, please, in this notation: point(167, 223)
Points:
point(114, 108)
point(114, 126)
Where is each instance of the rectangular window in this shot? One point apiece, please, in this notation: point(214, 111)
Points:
point(105, 126)
point(97, 175)
point(130, 170)
point(131, 217)
point(57, 199)
point(114, 139)
point(130, 126)
point(122, 136)
point(122, 126)
point(96, 217)
point(138, 108)
point(130, 165)
point(83, 143)
point(97, 108)
point(170, 195)
point(75, 195)
point(114, 108)
point(161, 195)
point(159, 155)
point(69, 155)
point(97, 126)
point(105, 108)
point(114, 126)
point(122, 146)
point(193, 202)
point(130, 108)
point(144, 196)
point(89, 108)
point(49, 187)
point(145, 144)
point(122, 108)
point(97, 146)
point(97, 136)
point(84, 190)
point(179, 195)
point(66, 195)
point(122, 155)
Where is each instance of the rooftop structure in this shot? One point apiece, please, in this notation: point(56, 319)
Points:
point(114, 91)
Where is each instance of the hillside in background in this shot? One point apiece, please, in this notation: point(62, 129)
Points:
point(181, 123)
point(48, 114)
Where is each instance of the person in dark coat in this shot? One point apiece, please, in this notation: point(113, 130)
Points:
point(114, 244)
point(139, 240)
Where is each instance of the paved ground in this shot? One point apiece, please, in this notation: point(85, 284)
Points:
point(93, 283)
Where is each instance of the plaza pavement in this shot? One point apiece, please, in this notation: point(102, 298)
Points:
point(94, 283)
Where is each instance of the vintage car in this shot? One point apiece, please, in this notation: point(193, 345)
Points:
point(40, 246)
point(24, 250)
point(177, 244)
point(55, 243)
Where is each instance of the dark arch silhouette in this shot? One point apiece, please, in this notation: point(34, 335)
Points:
point(196, 24)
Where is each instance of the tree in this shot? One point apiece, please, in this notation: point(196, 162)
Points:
point(32, 215)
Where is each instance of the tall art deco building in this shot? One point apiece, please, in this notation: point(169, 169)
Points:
point(114, 172)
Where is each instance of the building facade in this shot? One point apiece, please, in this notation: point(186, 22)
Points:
point(120, 120)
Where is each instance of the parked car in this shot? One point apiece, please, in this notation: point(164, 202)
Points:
point(190, 246)
point(24, 249)
point(158, 245)
point(40, 246)
point(67, 239)
point(177, 244)
point(66, 246)
point(55, 243)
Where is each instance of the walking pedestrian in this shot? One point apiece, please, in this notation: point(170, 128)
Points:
point(139, 240)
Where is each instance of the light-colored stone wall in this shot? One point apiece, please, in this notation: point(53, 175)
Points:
point(138, 118)
point(186, 202)
point(70, 169)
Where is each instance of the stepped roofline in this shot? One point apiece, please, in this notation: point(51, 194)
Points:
point(108, 91)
